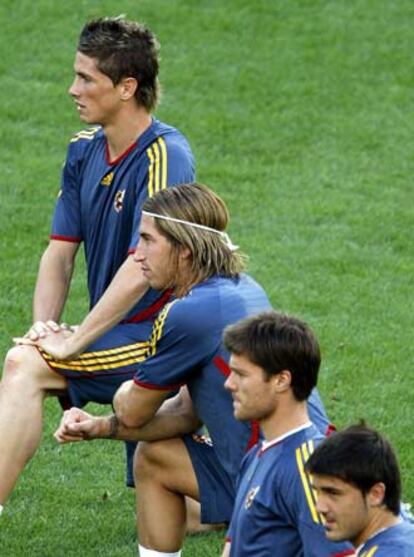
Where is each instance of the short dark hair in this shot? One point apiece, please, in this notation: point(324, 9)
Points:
point(276, 342)
point(360, 456)
point(124, 49)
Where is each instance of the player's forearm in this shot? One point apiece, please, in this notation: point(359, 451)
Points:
point(52, 285)
point(126, 288)
point(175, 418)
point(160, 427)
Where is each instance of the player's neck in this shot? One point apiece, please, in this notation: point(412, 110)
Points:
point(185, 280)
point(380, 520)
point(289, 415)
point(126, 130)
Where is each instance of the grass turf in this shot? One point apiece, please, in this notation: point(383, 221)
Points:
point(299, 113)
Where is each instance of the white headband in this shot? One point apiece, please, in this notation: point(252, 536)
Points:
point(225, 237)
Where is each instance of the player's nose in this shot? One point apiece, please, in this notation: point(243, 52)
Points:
point(138, 254)
point(229, 383)
point(74, 89)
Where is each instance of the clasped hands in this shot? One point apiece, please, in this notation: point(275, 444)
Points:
point(78, 425)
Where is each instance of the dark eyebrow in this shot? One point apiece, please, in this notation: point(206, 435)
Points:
point(82, 74)
point(236, 370)
point(144, 234)
point(330, 489)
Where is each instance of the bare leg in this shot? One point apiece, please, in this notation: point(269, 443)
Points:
point(193, 511)
point(26, 379)
point(164, 475)
point(194, 526)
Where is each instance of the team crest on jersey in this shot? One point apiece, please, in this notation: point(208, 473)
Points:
point(119, 200)
point(107, 180)
point(250, 497)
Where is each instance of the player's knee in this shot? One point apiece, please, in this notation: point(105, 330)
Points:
point(147, 460)
point(13, 362)
point(20, 363)
point(142, 461)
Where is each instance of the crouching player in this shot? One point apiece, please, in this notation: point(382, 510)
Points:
point(357, 478)
point(274, 361)
point(183, 246)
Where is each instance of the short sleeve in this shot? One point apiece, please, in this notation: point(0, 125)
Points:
point(179, 345)
point(66, 223)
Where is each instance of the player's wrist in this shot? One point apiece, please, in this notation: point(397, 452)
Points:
point(111, 427)
point(71, 347)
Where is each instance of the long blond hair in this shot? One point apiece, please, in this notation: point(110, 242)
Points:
point(196, 203)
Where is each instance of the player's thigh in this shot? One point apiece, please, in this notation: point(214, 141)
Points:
point(168, 463)
point(117, 352)
point(96, 374)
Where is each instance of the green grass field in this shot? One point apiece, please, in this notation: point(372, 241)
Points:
point(300, 113)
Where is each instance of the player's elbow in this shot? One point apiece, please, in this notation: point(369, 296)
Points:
point(130, 420)
point(128, 413)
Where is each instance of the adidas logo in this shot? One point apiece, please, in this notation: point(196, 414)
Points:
point(107, 180)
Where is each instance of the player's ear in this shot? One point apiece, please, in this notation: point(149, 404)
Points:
point(185, 252)
point(376, 494)
point(128, 87)
point(282, 380)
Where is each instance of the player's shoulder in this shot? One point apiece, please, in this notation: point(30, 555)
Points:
point(388, 549)
point(297, 449)
point(82, 141)
point(169, 139)
point(161, 129)
point(84, 137)
point(195, 312)
point(244, 292)
point(196, 302)
point(397, 541)
point(306, 440)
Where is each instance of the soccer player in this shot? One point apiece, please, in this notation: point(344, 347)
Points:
point(274, 362)
point(357, 480)
point(183, 246)
point(110, 170)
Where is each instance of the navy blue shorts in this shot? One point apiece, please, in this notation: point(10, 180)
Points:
point(216, 487)
point(97, 373)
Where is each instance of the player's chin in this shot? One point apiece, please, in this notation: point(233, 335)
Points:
point(88, 118)
point(239, 413)
point(154, 283)
point(332, 533)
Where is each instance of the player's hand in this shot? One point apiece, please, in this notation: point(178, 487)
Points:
point(56, 343)
point(37, 331)
point(40, 329)
point(78, 425)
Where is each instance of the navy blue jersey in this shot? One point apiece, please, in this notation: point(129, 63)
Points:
point(100, 200)
point(396, 541)
point(186, 348)
point(275, 511)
